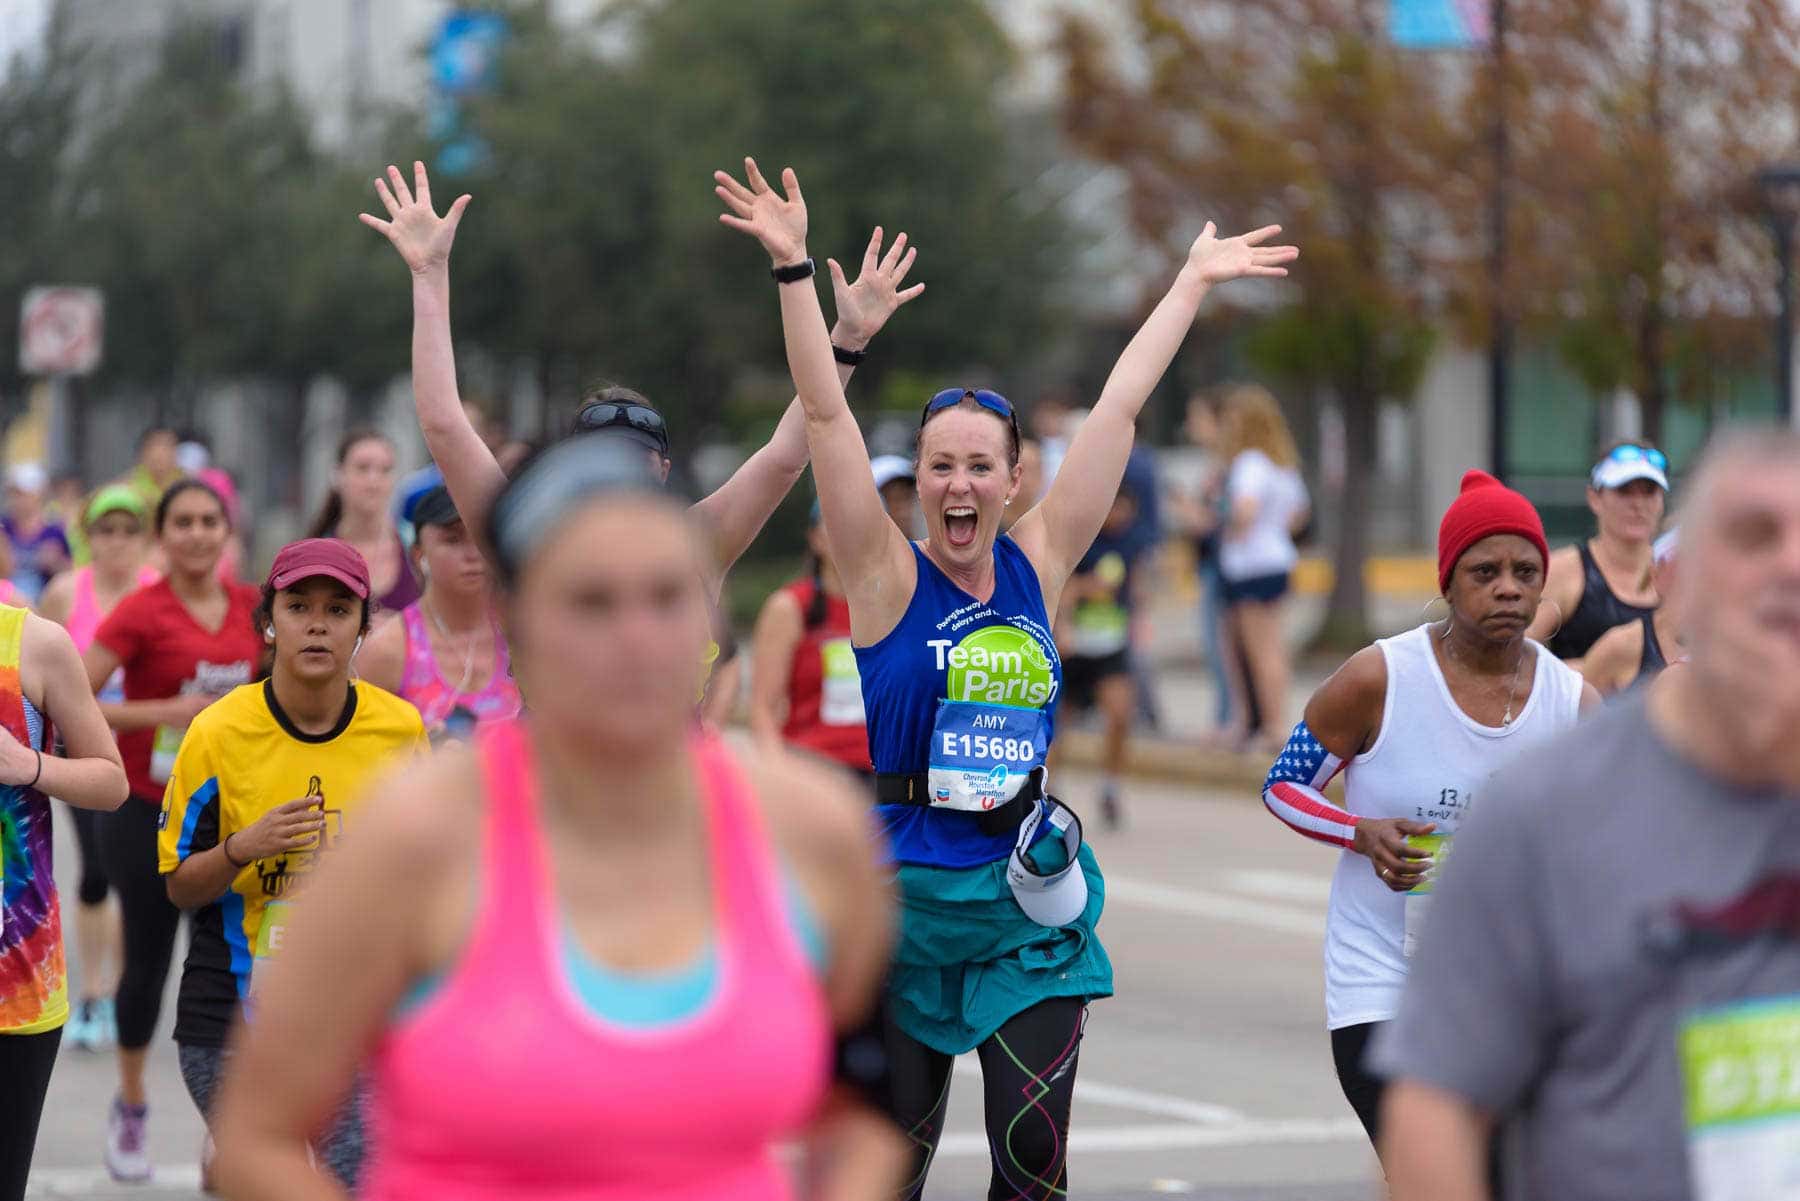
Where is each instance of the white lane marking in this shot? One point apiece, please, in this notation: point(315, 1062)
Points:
point(1171, 1137)
point(1308, 890)
point(1171, 1186)
point(1218, 906)
point(86, 1182)
point(1161, 1105)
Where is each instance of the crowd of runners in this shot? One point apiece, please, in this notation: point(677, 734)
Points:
point(469, 868)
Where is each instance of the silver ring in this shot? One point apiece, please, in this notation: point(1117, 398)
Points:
point(1386, 874)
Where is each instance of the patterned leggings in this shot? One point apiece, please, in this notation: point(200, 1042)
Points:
point(1028, 1080)
point(340, 1148)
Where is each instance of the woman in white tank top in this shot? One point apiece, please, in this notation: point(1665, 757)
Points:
point(1419, 724)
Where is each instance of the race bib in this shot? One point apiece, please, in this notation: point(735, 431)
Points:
point(1740, 1067)
point(163, 750)
point(982, 755)
point(1100, 629)
point(841, 695)
point(269, 936)
point(1418, 900)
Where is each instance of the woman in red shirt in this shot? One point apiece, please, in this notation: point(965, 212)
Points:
point(805, 689)
point(182, 642)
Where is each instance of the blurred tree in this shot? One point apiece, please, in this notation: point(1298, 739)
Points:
point(1299, 112)
point(1637, 242)
point(37, 113)
point(225, 242)
point(593, 243)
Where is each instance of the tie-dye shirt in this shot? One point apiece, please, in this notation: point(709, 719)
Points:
point(34, 994)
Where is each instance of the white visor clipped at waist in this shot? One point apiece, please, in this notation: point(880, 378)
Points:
point(1060, 896)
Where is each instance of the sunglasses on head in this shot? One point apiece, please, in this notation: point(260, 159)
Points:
point(992, 401)
point(612, 414)
point(1631, 454)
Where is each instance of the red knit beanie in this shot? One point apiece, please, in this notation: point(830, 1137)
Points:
point(1485, 506)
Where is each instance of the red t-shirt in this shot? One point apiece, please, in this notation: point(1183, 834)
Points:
point(166, 653)
point(825, 709)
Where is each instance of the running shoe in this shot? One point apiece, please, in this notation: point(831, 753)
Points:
point(104, 1033)
point(79, 1030)
point(126, 1159)
point(1110, 812)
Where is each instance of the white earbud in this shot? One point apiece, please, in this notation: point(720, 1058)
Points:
point(357, 647)
point(269, 632)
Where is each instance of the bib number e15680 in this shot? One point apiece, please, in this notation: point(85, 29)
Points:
point(982, 754)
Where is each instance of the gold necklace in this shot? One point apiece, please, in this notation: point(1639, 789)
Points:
point(1512, 691)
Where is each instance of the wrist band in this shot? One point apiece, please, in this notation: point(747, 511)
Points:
point(39, 774)
point(793, 273)
point(849, 358)
point(226, 847)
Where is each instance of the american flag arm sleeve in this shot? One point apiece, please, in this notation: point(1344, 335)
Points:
point(1294, 791)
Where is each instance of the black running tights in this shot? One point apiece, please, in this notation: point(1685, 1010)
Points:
point(1028, 1079)
point(128, 849)
point(25, 1063)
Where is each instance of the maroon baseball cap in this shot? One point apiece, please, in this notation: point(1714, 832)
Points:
point(332, 558)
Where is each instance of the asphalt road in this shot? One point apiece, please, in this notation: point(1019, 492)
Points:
point(1208, 1075)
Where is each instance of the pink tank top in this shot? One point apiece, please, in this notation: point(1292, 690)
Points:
point(504, 1085)
point(84, 607)
point(435, 697)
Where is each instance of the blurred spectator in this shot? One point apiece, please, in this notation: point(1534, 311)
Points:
point(231, 562)
point(1031, 481)
point(157, 467)
point(805, 689)
point(1266, 503)
point(193, 453)
point(67, 506)
point(1094, 633)
point(1142, 540)
point(1053, 423)
point(357, 511)
point(1202, 516)
point(899, 489)
point(40, 548)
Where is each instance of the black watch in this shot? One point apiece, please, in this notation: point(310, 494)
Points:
point(793, 273)
point(849, 358)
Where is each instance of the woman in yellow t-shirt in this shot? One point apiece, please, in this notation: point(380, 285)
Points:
point(263, 785)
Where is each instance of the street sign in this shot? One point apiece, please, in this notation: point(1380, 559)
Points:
point(61, 331)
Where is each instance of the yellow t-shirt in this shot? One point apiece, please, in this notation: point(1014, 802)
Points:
point(239, 759)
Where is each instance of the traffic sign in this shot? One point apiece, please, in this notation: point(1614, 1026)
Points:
point(61, 331)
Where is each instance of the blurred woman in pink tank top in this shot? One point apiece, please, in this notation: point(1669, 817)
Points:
point(596, 955)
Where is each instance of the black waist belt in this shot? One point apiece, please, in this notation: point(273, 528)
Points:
point(913, 788)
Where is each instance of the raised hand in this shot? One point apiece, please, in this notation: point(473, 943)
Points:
point(777, 221)
point(1218, 260)
point(421, 236)
point(864, 307)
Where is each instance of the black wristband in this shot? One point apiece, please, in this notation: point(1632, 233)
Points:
point(849, 358)
point(793, 273)
point(39, 774)
point(226, 847)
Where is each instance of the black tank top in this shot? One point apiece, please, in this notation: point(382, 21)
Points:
point(1652, 660)
point(1598, 612)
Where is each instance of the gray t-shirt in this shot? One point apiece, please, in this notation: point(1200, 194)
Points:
point(1586, 967)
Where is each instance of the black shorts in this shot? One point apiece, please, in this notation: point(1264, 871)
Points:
point(1082, 676)
point(1260, 588)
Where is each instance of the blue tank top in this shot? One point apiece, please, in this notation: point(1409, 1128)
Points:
point(950, 646)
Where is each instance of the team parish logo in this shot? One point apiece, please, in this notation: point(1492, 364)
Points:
point(998, 665)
